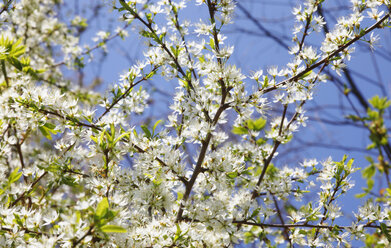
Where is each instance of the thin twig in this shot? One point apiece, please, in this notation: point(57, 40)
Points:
point(263, 225)
point(286, 230)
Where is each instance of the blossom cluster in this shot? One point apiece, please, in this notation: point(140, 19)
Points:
point(77, 170)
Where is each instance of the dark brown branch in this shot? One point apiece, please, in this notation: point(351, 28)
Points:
point(77, 122)
point(198, 169)
point(77, 173)
point(18, 146)
point(263, 225)
point(28, 191)
point(25, 230)
point(279, 214)
point(282, 119)
point(5, 7)
point(265, 166)
point(307, 25)
point(89, 232)
point(223, 106)
point(212, 10)
point(5, 73)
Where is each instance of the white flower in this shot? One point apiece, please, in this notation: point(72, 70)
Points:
point(256, 75)
point(375, 14)
point(373, 40)
point(203, 29)
point(101, 35)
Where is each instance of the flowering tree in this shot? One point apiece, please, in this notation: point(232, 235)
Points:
point(187, 181)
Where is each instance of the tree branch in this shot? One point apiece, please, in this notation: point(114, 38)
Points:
point(327, 58)
point(264, 225)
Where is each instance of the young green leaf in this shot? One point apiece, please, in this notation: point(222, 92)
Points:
point(113, 229)
point(102, 208)
point(156, 124)
point(146, 131)
point(15, 175)
point(259, 124)
point(384, 230)
point(239, 130)
point(306, 74)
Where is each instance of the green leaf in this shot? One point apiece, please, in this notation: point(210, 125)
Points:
point(93, 138)
point(272, 170)
point(379, 103)
point(255, 213)
point(68, 180)
point(260, 141)
point(17, 50)
point(180, 196)
point(127, 7)
point(78, 217)
point(232, 174)
point(384, 230)
point(47, 129)
point(113, 229)
point(149, 75)
point(146, 131)
point(121, 136)
point(353, 117)
point(372, 114)
point(265, 81)
point(248, 237)
point(201, 58)
point(371, 146)
point(369, 159)
point(102, 208)
point(349, 164)
point(185, 83)
point(369, 172)
point(212, 43)
point(335, 58)
point(178, 232)
point(305, 74)
point(259, 124)
point(18, 220)
point(16, 63)
point(370, 184)
point(175, 51)
point(50, 126)
point(239, 130)
point(156, 124)
point(250, 124)
point(361, 195)
point(112, 130)
point(15, 175)
point(45, 133)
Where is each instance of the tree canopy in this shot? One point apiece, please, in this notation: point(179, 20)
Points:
point(83, 166)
